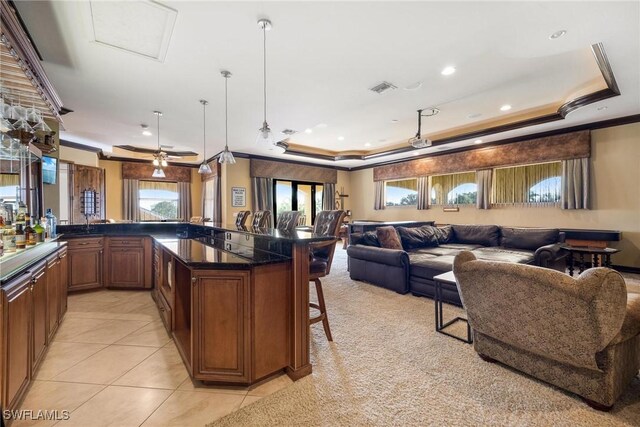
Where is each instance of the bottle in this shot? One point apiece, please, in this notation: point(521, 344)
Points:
point(47, 228)
point(51, 220)
point(29, 234)
point(9, 238)
point(21, 242)
point(20, 217)
point(39, 232)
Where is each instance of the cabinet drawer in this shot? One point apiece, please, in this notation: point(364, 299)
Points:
point(126, 242)
point(165, 311)
point(93, 242)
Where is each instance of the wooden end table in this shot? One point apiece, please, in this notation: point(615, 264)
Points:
point(598, 257)
point(449, 279)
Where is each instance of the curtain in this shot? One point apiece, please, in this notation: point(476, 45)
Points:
point(262, 194)
point(184, 201)
point(423, 193)
point(454, 189)
point(378, 194)
point(329, 197)
point(575, 184)
point(483, 181)
point(9, 180)
point(537, 184)
point(130, 202)
point(212, 201)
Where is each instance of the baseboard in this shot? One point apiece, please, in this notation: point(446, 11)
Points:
point(625, 269)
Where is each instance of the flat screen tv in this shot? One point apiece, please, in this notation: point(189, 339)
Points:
point(49, 169)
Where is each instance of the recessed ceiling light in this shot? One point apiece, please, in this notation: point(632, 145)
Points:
point(604, 107)
point(474, 115)
point(477, 141)
point(368, 144)
point(414, 86)
point(447, 71)
point(308, 130)
point(341, 138)
point(321, 125)
point(558, 34)
point(394, 120)
point(145, 130)
point(505, 107)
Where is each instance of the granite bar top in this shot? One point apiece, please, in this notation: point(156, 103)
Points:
point(13, 265)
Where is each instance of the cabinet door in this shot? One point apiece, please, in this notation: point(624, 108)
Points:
point(64, 282)
point(221, 342)
point(40, 313)
point(85, 268)
point(125, 268)
point(53, 295)
point(15, 321)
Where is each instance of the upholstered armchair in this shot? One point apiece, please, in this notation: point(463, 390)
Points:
point(288, 220)
point(580, 334)
point(261, 219)
point(241, 218)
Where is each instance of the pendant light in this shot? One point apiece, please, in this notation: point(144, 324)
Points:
point(204, 167)
point(226, 156)
point(158, 172)
point(265, 135)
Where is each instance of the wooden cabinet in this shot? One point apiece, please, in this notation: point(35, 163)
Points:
point(82, 177)
point(15, 327)
point(128, 262)
point(63, 282)
point(53, 294)
point(40, 335)
point(85, 263)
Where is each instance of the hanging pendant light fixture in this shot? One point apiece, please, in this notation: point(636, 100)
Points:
point(226, 156)
point(158, 162)
point(204, 167)
point(265, 135)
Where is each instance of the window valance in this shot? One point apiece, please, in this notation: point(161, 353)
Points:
point(292, 171)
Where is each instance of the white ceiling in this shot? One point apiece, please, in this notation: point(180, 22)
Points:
point(322, 59)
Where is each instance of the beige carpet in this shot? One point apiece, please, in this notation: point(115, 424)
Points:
point(387, 366)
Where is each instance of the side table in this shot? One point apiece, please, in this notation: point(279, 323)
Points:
point(450, 279)
point(597, 257)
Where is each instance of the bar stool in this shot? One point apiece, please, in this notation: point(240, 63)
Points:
point(320, 257)
point(261, 219)
point(241, 218)
point(288, 220)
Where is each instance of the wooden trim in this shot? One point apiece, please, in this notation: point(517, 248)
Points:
point(77, 146)
point(155, 150)
point(626, 269)
point(19, 41)
point(102, 156)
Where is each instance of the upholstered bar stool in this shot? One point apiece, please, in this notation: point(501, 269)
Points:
point(261, 219)
point(288, 220)
point(321, 255)
point(241, 218)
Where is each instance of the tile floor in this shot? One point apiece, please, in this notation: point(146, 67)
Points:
point(113, 363)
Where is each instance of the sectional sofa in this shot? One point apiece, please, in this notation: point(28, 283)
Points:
point(428, 251)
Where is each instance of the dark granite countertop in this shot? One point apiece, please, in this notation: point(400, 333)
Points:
point(12, 265)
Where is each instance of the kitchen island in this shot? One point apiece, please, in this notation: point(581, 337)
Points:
point(236, 301)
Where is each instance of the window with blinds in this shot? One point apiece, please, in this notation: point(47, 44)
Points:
point(158, 200)
point(454, 189)
point(402, 192)
point(539, 184)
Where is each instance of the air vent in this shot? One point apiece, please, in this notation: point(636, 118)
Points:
point(289, 131)
point(383, 87)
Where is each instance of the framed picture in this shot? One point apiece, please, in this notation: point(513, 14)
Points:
point(238, 197)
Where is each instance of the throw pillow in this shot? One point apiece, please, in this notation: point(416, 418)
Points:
point(444, 234)
point(388, 237)
point(529, 238)
point(370, 238)
point(417, 237)
point(485, 235)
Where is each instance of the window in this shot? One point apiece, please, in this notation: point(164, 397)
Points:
point(158, 200)
point(9, 187)
point(209, 198)
point(454, 189)
point(530, 184)
point(305, 197)
point(401, 193)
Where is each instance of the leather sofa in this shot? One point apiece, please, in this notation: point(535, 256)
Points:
point(582, 335)
point(429, 251)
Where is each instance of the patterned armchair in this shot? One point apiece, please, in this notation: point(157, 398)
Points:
point(582, 335)
point(287, 221)
point(261, 219)
point(241, 218)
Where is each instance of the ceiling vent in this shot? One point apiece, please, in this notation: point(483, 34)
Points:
point(289, 132)
point(383, 87)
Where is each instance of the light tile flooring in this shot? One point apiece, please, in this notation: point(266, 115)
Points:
point(113, 363)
